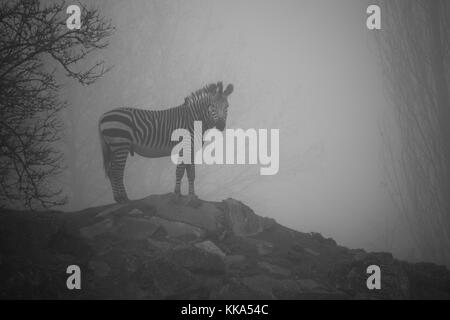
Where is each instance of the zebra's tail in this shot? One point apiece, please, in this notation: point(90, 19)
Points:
point(106, 152)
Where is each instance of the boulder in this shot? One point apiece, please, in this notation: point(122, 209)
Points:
point(162, 279)
point(210, 247)
point(309, 284)
point(351, 277)
point(177, 229)
point(272, 288)
point(274, 269)
point(206, 217)
point(197, 260)
point(135, 228)
point(235, 261)
point(242, 221)
point(235, 290)
point(100, 268)
point(97, 229)
point(159, 245)
point(110, 210)
point(311, 252)
point(136, 212)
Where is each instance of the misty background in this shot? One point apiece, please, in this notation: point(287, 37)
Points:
point(308, 68)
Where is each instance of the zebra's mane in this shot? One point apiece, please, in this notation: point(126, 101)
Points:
point(206, 91)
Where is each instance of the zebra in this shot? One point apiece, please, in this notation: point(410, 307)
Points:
point(125, 131)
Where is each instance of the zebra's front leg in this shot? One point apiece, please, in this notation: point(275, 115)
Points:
point(179, 173)
point(194, 201)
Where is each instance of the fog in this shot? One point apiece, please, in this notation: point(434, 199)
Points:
point(307, 68)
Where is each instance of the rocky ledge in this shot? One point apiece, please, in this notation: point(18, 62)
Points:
point(163, 248)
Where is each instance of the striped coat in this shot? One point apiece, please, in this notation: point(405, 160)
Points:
point(126, 131)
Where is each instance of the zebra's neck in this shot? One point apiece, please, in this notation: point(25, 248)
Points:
point(199, 112)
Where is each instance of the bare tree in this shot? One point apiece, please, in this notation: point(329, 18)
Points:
point(415, 56)
point(34, 41)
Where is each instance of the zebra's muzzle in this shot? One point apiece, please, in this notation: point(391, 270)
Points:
point(220, 125)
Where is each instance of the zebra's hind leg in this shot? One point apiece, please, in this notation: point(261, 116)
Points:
point(194, 201)
point(116, 175)
point(179, 173)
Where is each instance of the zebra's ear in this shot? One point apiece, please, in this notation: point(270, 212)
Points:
point(228, 90)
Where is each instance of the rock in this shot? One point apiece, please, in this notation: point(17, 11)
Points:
point(351, 277)
point(287, 289)
point(324, 241)
point(261, 285)
point(206, 217)
point(260, 247)
point(359, 255)
point(272, 288)
point(162, 279)
point(242, 221)
point(274, 269)
point(197, 260)
point(97, 229)
point(311, 251)
point(309, 284)
point(101, 246)
point(110, 210)
point(65, 242)
point(100, 268)
point(311, 289)
point(264, 247)
point(209, 246)
point(135, 228)
point(131, 263)
point(136, 212)
point(234, 260)
point(384, 257)
point(255, 246)
point(428, 281)
point(159, 245)
point(234, 290)
point(178, 230)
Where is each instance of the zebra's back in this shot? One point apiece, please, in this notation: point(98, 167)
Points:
point(148, 132)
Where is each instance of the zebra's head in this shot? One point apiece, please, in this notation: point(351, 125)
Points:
point(218, 107)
